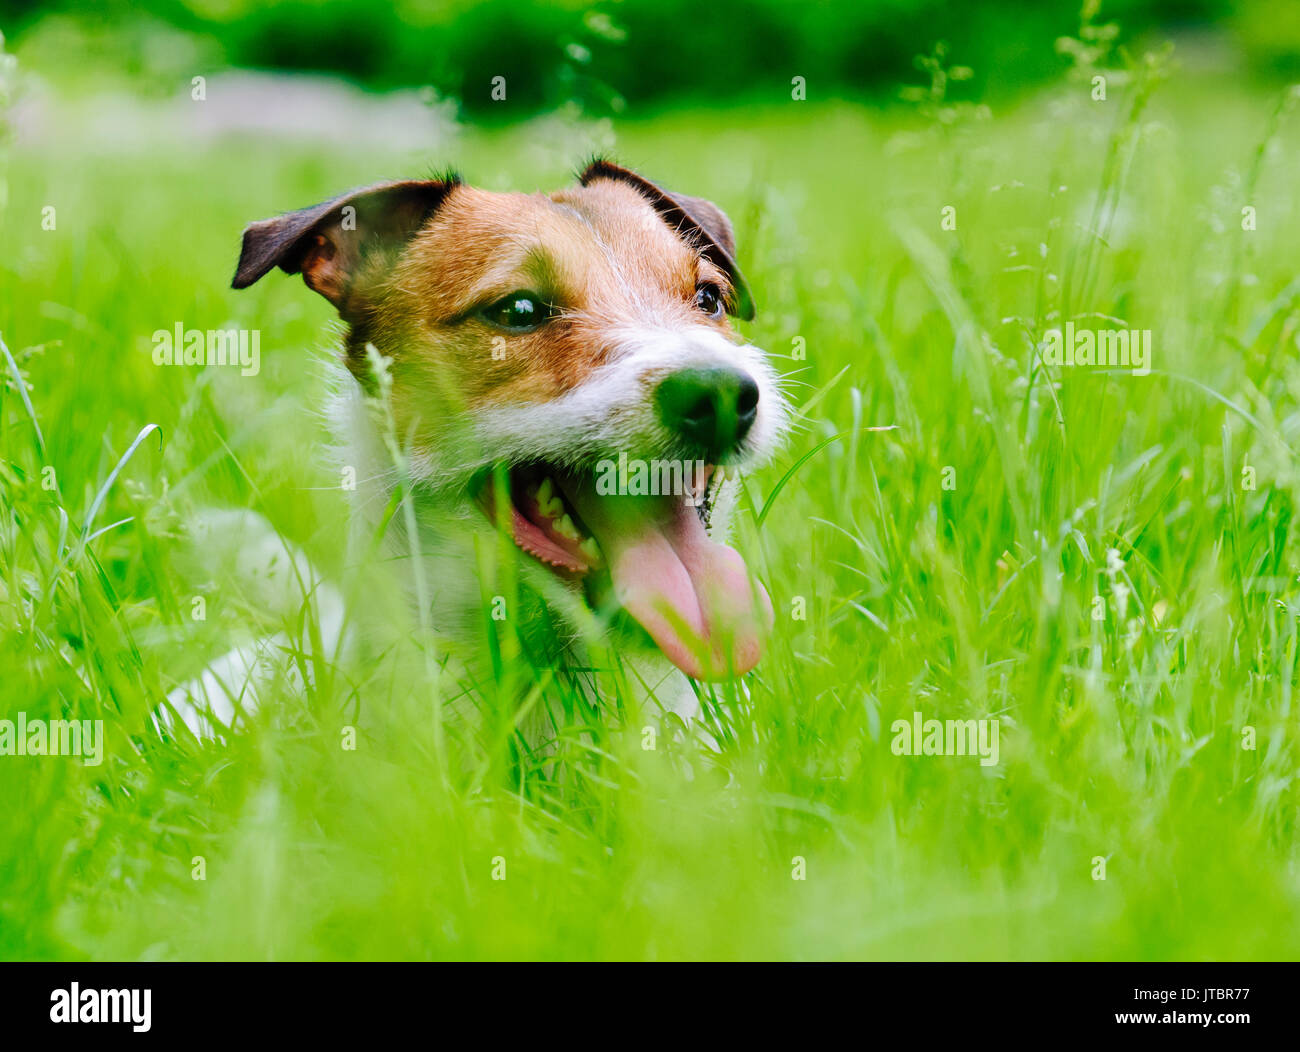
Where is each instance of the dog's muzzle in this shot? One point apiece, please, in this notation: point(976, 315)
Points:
point(710, 410)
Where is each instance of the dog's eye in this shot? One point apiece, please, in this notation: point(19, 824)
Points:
point(708, 297)
point(520, 311)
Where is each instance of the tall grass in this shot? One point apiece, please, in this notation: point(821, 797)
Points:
point(1095, 575)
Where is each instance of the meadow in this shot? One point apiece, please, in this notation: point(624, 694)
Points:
point(1104, 562)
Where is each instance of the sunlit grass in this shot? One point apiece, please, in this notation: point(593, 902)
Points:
point(1074, 493)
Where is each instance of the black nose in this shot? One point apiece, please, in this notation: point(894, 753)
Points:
point(713, 409)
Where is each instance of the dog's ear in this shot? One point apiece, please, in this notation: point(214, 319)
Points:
point(333, 243)
point(699, 221)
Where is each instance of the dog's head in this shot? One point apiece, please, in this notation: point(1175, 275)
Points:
point(565, 363)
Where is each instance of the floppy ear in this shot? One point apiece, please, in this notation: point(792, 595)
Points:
point(701, 222)
point(333, 243)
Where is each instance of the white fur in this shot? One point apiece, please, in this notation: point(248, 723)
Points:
point(278, 577)
point(612, 410)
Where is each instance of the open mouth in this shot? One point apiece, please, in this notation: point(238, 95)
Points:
point(692, 595)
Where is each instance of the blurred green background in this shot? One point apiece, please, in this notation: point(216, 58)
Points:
point(619, 53)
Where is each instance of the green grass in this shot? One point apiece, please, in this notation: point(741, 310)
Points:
point(1120, 737)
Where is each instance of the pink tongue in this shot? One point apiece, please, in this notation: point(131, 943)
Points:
point(691, 594)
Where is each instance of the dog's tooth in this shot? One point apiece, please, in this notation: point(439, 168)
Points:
point(590, 549)
point(565, 528)
point(548, 501)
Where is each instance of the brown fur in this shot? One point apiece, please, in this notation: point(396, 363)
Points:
point(582, 250)
point(426, 256)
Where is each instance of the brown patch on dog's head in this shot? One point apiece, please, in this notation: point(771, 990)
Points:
point(413, 266)
point(698, 220)
point(341, 246)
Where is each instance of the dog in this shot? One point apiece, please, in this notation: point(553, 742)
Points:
point(527, 348)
